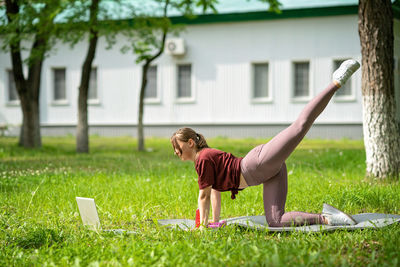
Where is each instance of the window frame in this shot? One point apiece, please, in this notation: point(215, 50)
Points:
point(94, 101)
point(9, 102)
point(185, 100)
point(260, 100)
point(301, 99)
point(157, 99)
point(58, 102)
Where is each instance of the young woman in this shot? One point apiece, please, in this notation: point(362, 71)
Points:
point(219, 171)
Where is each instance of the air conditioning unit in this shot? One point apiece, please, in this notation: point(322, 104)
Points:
point(175, 46)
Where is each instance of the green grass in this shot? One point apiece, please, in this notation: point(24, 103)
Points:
point(40, 223)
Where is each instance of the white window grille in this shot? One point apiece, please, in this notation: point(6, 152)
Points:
point(92, 93)
point(59, 84)
point(12, 89)
point(151, 86)
point(260, 81)
point(184, 81)
point(301, 79)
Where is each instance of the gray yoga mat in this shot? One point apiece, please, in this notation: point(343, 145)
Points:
point(364, 220)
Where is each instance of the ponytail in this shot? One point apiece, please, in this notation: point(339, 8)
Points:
point(200, 142)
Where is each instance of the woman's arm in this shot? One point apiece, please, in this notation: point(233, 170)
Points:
point(204, 205)
point(216, 204)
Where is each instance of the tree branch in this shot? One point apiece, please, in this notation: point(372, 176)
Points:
point(12, 10)
point(164, 36)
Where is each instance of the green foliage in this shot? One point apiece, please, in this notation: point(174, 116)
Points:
point(61, 20)
point(274, 5)
point(76, 23)
point(40, 223)
point(68, 21)
point(146, 36)
point(35, 238)
point(27, 19)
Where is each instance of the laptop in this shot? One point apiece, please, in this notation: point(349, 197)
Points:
point(90, 217)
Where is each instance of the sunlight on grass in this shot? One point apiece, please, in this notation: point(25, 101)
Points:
point(40, 223)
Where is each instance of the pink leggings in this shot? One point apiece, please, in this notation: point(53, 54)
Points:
point(265, 164)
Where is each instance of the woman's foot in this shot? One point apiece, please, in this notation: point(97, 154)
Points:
point(333, 216)
point(344, 72)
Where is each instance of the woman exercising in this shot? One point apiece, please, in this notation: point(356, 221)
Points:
point(219, 171)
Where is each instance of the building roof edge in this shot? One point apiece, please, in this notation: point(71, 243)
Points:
point(267, 15)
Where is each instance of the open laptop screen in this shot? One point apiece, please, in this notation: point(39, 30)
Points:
point(88, 211)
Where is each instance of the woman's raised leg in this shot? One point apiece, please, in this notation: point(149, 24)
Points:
point(276, 151)
point(265, 161)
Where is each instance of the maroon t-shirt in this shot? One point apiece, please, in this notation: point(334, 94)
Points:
point(218, 169)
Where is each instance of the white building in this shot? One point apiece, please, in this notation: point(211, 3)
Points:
point(245, 73)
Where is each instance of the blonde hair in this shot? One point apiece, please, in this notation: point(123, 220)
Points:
point(184, 134)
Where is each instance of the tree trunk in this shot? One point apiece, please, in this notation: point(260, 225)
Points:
point(30, 129)
point(82, 129)
point(29, 92)
point(144, 81)
point(381, 133)
point(141, 107)
point(28, 89)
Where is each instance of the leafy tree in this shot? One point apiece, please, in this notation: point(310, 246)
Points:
point(82, 129)
point(83, 23)
point(147, 39)
point(92, 20)
point(48, 21)
point(29, 22)
point(381, 132)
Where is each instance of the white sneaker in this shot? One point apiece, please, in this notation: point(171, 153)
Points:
point(344, 72)
point(336, 217)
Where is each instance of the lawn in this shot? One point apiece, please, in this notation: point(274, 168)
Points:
point(40, 223)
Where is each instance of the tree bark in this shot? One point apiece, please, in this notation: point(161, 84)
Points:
point(30, 129)
point(381, 133)
point(82, 129)
point(28, 89)
point(141, 145)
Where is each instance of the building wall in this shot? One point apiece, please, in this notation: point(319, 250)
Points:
point(221, 55)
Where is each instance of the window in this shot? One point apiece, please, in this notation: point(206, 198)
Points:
point(151, 86)
point(260, 81)
point(12, 89)
point(184, 81)
point(301, 79)
point(345, 90)
point(59, 84)
point(92, 93)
